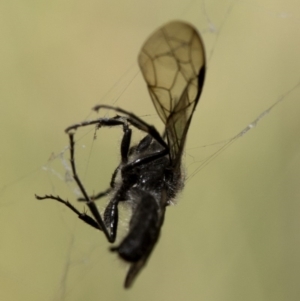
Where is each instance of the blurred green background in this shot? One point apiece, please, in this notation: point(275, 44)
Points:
point(234, 234)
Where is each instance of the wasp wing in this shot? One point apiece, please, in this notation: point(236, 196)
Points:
point(172, 62)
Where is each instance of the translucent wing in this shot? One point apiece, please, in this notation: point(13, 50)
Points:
point(172, 62)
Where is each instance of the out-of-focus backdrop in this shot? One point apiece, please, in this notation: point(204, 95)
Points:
point(234, 234)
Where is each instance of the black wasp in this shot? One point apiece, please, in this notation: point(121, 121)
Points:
point(149, 176)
